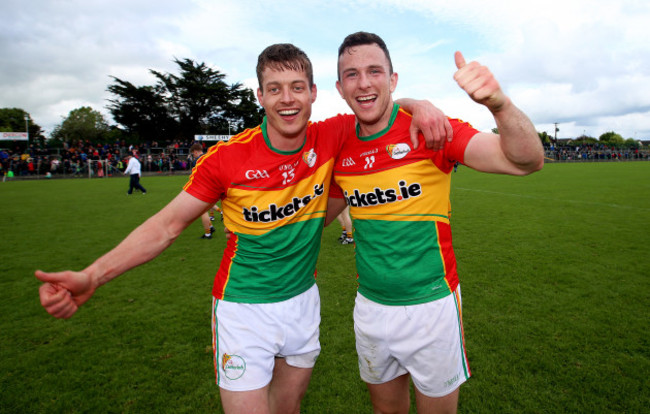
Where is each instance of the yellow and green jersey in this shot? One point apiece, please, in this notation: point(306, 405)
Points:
point(274, 203)
point(399, 200)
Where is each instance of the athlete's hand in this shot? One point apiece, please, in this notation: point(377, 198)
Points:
point(479, 83)
point(432, 123)
point(63, 292)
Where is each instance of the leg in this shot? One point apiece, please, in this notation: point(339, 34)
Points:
point(442, 405)
point(138, 185)
point(346, 222)
point(131, 183)
point(288, 387)
point(244, 402)
point(391, 397)
point(207, 226)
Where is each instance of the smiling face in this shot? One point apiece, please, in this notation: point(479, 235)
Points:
point(287, 98)
point(366, 83)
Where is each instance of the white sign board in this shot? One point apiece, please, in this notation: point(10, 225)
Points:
point(212, 137)
point(14, 136)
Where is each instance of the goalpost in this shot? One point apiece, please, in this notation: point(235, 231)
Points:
point(101, 169)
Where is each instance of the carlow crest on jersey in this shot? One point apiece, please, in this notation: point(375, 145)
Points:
point(398, 151)
point(309, 157)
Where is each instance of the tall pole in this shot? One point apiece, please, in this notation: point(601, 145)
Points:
point(27, 127)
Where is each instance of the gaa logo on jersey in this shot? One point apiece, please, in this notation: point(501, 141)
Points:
point(233, 366)
point(309, 157)
point(398, 151)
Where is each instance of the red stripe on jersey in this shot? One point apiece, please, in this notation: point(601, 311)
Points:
point(448, 256)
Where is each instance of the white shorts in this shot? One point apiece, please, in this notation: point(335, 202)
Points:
point(424, 340)
point(247, 337)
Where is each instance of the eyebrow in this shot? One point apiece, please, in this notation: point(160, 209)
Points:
point(366, 67)
point(292, 83)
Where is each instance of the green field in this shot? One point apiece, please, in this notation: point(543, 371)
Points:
point(554, 272)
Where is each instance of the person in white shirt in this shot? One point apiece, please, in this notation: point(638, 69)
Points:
point(133, 169)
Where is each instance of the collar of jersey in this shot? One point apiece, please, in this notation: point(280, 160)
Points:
point(393, 115)
point(272, 148)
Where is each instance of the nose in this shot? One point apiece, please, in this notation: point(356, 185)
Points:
point(286, 96)
point(364, 81)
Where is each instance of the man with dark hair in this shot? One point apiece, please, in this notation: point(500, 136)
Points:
point(407, 314)
point(273, 182)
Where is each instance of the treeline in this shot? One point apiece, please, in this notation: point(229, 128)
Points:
point(197, 100)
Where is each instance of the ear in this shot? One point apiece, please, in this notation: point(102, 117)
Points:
point(313, 93)
point(393, 82)
point(260, 96)
point(339, 88)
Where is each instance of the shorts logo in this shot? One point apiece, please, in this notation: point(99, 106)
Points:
point(452, 381)
point(233, 366)
point(398, 151)
point(309, 157)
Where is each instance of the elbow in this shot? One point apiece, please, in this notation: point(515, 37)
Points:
point(532, 167)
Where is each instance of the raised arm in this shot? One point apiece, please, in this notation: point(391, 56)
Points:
point(517, 149)
point(63, 292)
point(429, 120)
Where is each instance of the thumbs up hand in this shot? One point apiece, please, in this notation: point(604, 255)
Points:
point(479, 83)
point(63, 292)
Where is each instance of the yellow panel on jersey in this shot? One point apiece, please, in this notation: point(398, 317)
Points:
point(396, 194)
point(269, 208)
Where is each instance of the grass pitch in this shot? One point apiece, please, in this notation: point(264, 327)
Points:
point(553, 268)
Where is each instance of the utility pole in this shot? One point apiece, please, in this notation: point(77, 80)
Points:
point(27, 127)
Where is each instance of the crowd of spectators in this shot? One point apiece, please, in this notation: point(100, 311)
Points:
point(72, 159)
point(596, 152)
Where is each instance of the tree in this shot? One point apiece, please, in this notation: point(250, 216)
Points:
point(13, 120)
point(544, 137)
point(611, 138)
point(196, 101)
point(631, 143)
point(142, 111)
point(585, 140)
point(84, 124)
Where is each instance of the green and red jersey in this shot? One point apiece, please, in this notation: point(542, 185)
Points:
point(399, 200)
point(274, 203)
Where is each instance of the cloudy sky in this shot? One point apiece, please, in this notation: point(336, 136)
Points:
point(584, 64)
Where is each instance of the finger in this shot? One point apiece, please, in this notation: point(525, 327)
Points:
point(57, 302)
point(449, 131)
point(63, 310)
point(50, 294)
point(49, 277)
point(460, 60)
point(414, 136)
point(430, 137)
